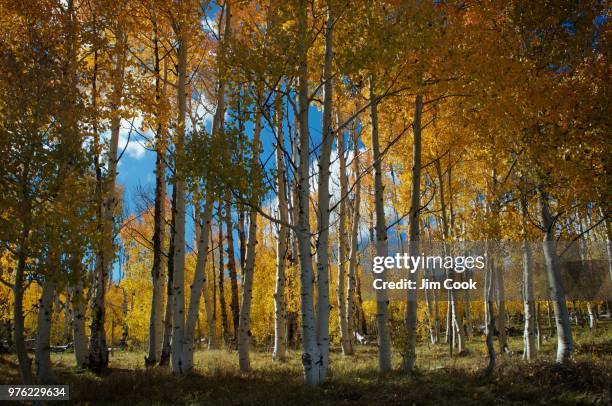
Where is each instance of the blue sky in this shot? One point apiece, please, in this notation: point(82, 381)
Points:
point(137, 164)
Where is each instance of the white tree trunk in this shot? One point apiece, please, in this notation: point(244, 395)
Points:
point(584, 257)
point(164, 358)
point(501, 310)
point(221, 286)
point(529, 334)
point(44, 371)
point(382, 299)
point(98, 352)
point(78, 313)
point(489, 310)
point(178, 311)
point(79, 308)
point(159, 218)
point(351, 304)
point(198, 285)
point(158, 270)
point(410, 318)
point(311, 357)
point(565, 344)
point(231, 267)
point(67, 333)
point(282, 245)
point(343, 251)
point(244, 323)
point(323, 196)
point(454, 325)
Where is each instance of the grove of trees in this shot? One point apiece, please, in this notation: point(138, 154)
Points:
point(288, 136)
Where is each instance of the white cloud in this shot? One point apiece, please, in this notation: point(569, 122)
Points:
point(132, 143)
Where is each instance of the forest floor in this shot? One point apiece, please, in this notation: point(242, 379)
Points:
point(438, 380)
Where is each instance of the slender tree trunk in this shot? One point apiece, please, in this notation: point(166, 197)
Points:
point(501, 310)
point(436, 318)
point(448, 333)
point(410, 317)
point(467, 312)
point(219, 131)
point(430, 296)
point(78, 313)
point(25, 363)
point(565, 344)
point(98, 352)
point(44, 371)
point(456, 316)
point(282, 245)
point(538, 324)
point(362, 322)
point(244, 323)
point(489, 311)
point(584, 258)
point(343, 253)
point(311, 356)
point(159, 217)
point(455, 335)
point(198, 285)
point(529, 334)
point(178, 313)
point(322, 245)
point(351, 304)
point(382, 299)
point(164, 358)
point(222, 306)
point(67, 334)
point(213, 342)
point(231, 268)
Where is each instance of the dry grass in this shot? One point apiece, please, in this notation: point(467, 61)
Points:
point(352, 380)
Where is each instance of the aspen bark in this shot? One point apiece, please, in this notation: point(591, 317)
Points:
point(164, 358)
point(78, 314)
point(231, 268)
point(410, 317)
point(382, 300)
point(178, 312)
point(584, 258)
point(212, 337)
point(565, 344)
point(323, 197)
point(222, 305)
point(158, 269)
point(282, 244)
point(346, 341)
point(197, 286)
point(311, 357)
point(244, 324)
point(489, 311)
point(351, 304)
point(44, 372)
point(67, 309)
point(454, 326)
point(529, 334)
point(98, 352)
point(501, 310)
